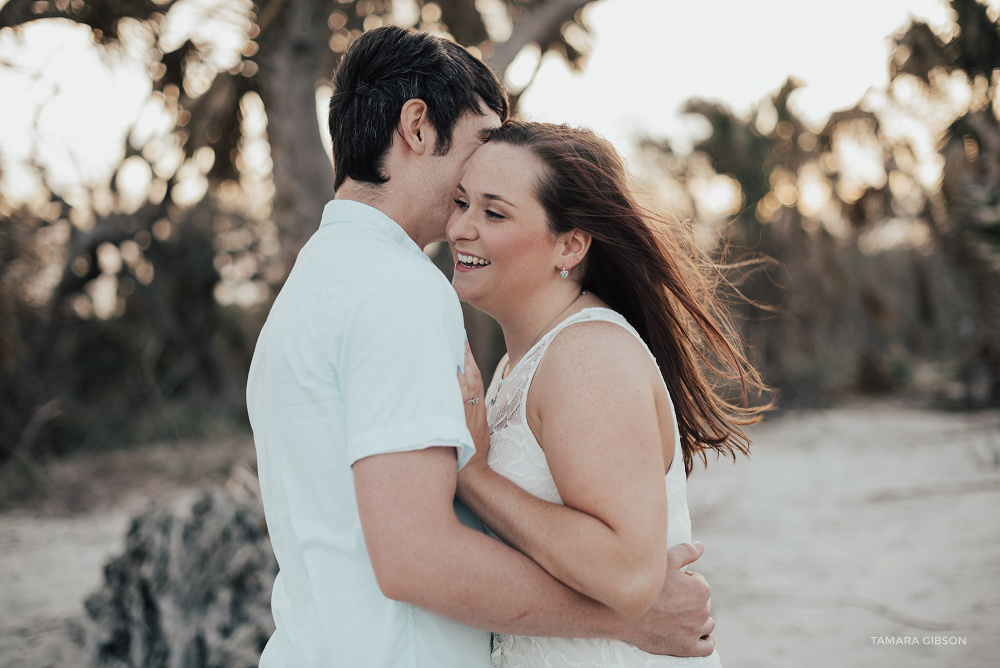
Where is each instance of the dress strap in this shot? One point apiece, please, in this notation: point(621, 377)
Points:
point(510, 394)
point(590, 314)
point(596, 314)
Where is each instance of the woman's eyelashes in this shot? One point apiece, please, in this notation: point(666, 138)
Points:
point(490, 213)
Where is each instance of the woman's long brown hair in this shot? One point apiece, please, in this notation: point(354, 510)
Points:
point(657, 278)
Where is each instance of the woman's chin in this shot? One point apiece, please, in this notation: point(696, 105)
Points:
point(464, 293)
point(467, 294)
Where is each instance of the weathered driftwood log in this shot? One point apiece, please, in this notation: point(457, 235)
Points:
point(192, 590)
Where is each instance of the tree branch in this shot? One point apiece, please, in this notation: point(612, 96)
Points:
point(534, 26)
point(103, 16)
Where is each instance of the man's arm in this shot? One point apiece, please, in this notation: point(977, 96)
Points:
point(423, 555)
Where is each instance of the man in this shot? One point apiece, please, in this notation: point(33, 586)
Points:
point(357, 413)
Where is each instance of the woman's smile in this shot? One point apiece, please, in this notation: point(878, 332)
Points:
point(469, 262)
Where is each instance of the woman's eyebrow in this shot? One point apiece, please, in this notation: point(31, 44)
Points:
point(490, 196)
point(498, 197)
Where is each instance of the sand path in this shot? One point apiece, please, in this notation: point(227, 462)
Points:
point(865, 521)
point(869, 521)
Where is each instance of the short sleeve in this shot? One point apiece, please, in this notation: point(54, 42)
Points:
point(403, 341)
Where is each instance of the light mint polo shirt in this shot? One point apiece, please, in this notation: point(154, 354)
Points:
point(357, 358)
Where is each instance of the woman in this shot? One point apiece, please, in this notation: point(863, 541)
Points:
point(610, 326)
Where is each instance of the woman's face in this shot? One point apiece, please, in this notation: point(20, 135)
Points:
point(498, 231)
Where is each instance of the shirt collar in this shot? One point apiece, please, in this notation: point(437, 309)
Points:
point(349, 211)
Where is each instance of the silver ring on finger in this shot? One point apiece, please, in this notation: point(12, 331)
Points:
point(473, 400)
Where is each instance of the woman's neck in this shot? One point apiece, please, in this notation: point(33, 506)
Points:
point(530, 319)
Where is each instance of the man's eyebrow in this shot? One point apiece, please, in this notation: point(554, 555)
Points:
point(461, 188)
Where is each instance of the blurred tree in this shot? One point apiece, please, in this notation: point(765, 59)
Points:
point(844, 314)
point(213, 221)
point(965, 214)
point(290, 51)
point(766, 154)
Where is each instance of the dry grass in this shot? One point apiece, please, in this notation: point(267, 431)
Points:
point(86, 482)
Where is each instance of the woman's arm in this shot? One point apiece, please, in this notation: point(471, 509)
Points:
point(593, 409)
point(421, 554)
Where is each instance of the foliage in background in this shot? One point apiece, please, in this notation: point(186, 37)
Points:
point(965, 212)
point(125, 320)
point(881, 276)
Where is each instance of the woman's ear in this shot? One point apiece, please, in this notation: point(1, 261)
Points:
point(415, 128)
point(575, 245)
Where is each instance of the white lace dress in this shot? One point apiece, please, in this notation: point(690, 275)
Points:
point(515, 454)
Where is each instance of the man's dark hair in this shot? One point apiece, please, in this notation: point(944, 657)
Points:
point(383, 69)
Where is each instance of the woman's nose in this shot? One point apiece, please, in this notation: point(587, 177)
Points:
point(459, 226)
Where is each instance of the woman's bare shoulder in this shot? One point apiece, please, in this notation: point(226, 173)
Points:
point(592, 359)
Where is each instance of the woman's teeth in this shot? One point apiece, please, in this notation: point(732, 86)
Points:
point(472, 260)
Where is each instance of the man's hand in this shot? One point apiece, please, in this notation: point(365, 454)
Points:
point(679, 623)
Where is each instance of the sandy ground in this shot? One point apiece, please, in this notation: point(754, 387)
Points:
point(47, 566)
point(874, 521)
point(847, 527)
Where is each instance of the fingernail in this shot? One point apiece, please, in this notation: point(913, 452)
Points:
point(698, 543)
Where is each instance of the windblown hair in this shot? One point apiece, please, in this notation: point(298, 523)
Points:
point(649, 269)
point(383, 69)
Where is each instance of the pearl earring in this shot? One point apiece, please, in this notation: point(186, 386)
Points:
point(564, 273)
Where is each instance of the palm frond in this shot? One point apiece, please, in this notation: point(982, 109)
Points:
point(102, 16)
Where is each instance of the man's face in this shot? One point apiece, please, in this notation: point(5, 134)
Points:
point(445, 171)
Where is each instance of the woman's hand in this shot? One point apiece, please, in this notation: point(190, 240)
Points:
point(471, 383)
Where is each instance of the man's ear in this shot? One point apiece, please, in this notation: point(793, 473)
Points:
point(415, 128)
point(575, 245)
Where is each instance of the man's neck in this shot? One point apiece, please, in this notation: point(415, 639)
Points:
point(379, 197)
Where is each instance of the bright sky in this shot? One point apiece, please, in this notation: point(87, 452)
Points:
point(648, 58)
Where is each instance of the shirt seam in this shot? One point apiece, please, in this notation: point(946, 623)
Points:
point(331, 312)
point(412, 623)
point(447, 432)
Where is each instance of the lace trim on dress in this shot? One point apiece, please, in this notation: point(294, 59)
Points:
point(511, 391)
